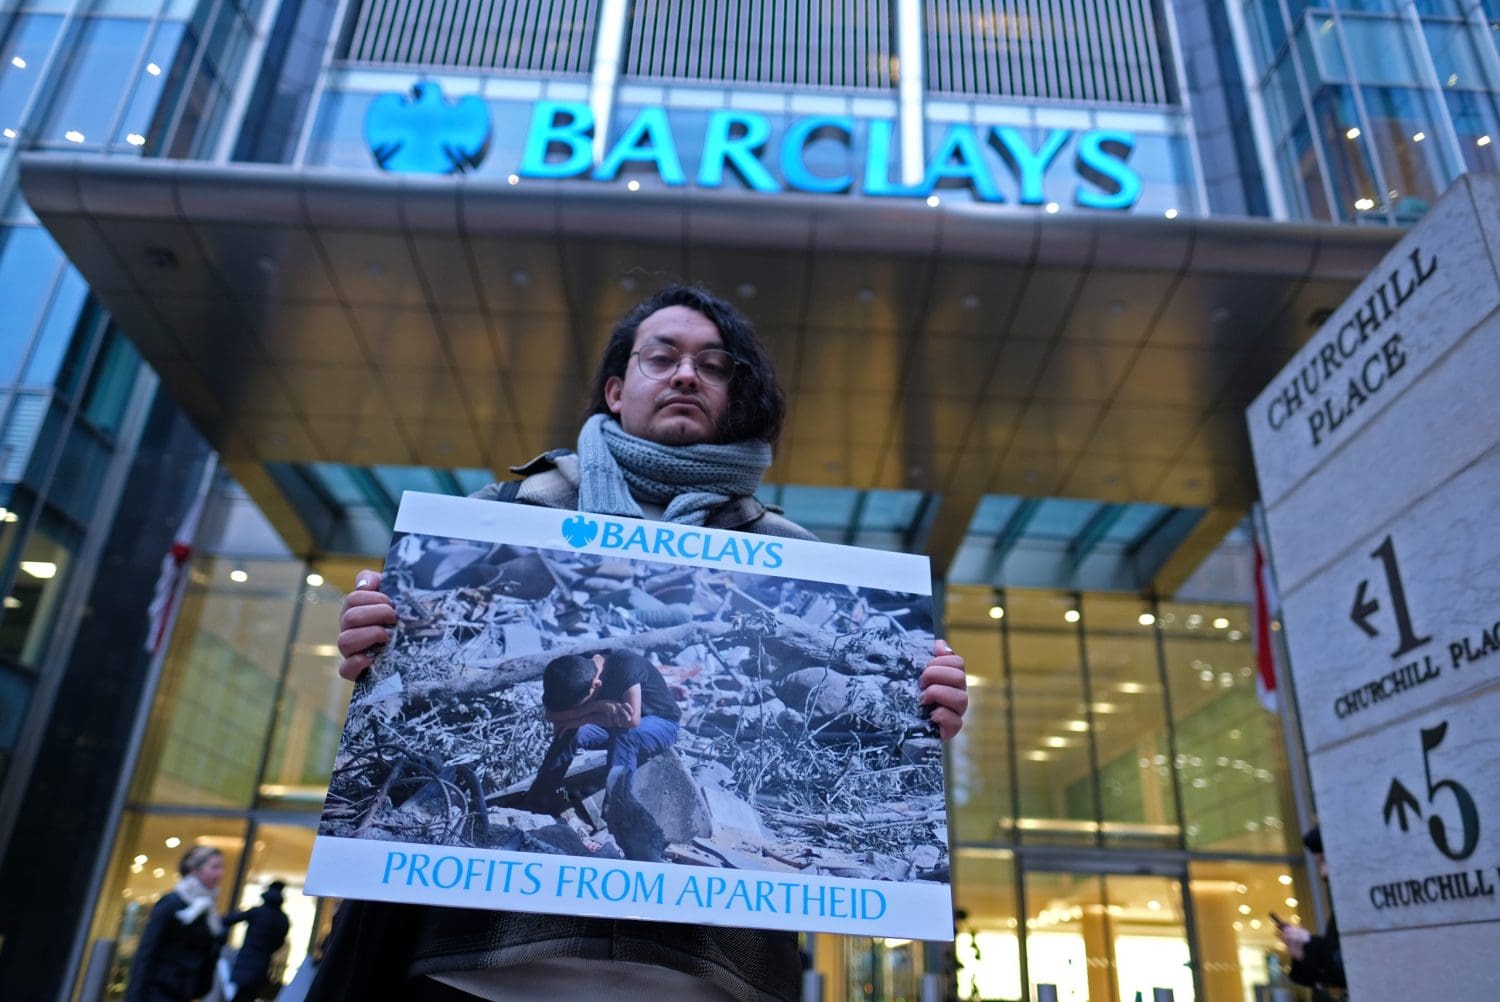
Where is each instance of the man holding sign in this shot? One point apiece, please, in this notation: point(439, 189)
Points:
point(685, 410)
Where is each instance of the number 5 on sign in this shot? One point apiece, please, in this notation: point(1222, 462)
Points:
point(1400, 799)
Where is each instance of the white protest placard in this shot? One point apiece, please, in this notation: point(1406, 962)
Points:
point(1378, 454)
point(593, 715)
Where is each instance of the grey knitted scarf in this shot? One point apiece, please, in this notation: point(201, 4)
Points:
point(616, 467)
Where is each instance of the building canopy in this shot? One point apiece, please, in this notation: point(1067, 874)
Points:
point(962, 350)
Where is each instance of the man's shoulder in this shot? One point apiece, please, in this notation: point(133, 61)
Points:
point(549, 480)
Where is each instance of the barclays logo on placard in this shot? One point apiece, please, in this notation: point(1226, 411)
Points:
point(681, 542)
point(580, 531)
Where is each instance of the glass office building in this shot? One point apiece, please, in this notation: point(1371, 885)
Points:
point(1022, 266)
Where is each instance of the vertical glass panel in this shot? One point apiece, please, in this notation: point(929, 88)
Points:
point(1299, 163)
point(1414, 170)
point(1267, 28)
point(98, 71)
point(310, 713)
point(987, 947)
point(1053, 766)
point(15, 698)
point(1355, 192)
point(23, 54)
point(219, 679)
point(1106, 939)
point(40, 580)
point(281, 852)
point(1284, 97)
point(144, 867)
point(1477, 124)
point(142, 124)
point(1239, 954)
point(58, 329)
point(979, 759)
point(1129, 718)
point(1457, 55)
point(879, 969)
point(109, 384)
point(1236, 790)
point(29, 263)
point(1318, 49)
point(1383, 51)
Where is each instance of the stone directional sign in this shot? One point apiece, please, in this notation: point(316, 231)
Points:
point(1378, 454)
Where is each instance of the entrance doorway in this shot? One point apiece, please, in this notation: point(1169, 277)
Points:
point(1106, 937)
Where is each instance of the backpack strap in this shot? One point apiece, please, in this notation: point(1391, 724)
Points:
point(508, 490)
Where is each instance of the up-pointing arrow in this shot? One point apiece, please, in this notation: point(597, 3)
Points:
point(1397, 801)
point(1363, 609)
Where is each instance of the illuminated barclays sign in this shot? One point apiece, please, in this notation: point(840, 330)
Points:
point(425, 132)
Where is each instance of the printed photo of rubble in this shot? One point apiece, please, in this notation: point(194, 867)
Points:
point(799, 745)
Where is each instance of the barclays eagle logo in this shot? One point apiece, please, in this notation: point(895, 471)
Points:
point(423, 132)
point(580, 531)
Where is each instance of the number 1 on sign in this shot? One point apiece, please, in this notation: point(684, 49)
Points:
point(1386, 552)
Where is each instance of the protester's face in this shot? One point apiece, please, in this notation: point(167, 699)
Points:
point(210, 871)
point(681, 409)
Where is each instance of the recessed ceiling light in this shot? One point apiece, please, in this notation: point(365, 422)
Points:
point(42, 570)
point(315, 580)
point(634, 185)
point(1352, 132)
point(997, 612)
point(1170, 213)
point(1482, 141)
point(1145, 619)
point(73, 136)
point(239, 575)
point(514, 179)
point(1053, 207)
point(135, 139)
point(18, 62)
point(153, 69)
point(1417, 137)
point(1071, 616)
point(933, 201)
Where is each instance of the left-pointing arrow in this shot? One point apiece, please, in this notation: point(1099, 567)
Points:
point(1397, 801)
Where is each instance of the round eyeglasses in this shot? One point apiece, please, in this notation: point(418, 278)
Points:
point(714, 366)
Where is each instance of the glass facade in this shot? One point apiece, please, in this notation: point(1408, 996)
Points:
point(1372, 108)
point(1105, 724)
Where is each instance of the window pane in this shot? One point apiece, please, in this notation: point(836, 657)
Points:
point(147, 114)
point(41, 575)
point(1129, 722)
point(57, 331)
point(29, 263)
point(29, 39)
point(1413, 170)
point(310, 714)
point(213, 707)
point(1235, 784)
point(1299, 163)
point(1349, 166)
point(1238, 948)
point(1053, 766)
point(1477, 124)
point(97, 73)
point(1383, 51)
point(1456, 56)
point(987, 946)
point(109, 384)
point(979, 758)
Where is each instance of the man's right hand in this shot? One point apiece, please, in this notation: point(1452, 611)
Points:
point(364, 624)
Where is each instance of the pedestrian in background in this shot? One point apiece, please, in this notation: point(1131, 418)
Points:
point(266, 927)
point(175, 959)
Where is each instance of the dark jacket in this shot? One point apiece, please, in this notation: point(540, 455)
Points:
point(173, 961)
point(376, 945)
point(1322, 963)
point(266, 927)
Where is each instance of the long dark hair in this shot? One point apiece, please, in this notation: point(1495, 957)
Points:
point(757, 405)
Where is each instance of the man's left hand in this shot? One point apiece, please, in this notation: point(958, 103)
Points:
point(945, 688)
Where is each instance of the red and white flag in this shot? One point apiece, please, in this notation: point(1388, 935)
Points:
point(1267, 608)
point(174, 568)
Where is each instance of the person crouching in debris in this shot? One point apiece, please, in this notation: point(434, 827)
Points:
point(620, 703)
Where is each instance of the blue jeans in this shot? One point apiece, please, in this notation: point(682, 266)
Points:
point(628, 747)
